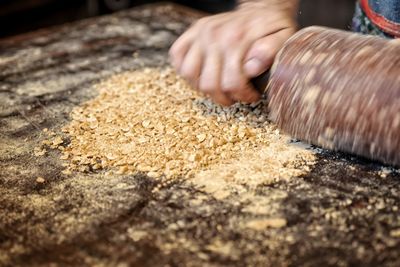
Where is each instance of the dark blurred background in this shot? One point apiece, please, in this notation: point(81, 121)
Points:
point(19, 16)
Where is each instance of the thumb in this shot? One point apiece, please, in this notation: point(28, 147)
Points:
point(261, 54)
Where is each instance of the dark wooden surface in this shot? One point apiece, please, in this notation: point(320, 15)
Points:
point(345, 212)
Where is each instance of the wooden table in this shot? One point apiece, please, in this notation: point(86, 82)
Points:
point(344, 212)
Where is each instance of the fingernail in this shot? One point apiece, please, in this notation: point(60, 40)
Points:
point(253, 67)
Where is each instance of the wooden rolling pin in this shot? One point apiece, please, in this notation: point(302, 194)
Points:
point(340, 91)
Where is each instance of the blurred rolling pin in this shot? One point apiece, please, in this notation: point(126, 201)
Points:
point(338, 90)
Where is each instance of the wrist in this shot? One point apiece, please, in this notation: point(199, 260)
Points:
point(290, 6)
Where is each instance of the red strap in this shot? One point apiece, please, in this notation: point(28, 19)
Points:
point(386, 25)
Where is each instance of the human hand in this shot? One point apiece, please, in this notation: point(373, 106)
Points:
point(219, 54)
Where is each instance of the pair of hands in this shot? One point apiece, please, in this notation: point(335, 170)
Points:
point(221, 53)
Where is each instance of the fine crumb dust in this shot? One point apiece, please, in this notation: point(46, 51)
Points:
point(151, 121)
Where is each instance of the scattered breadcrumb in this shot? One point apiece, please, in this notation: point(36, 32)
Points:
point(40, 180)
point(39, 151)
point(395, 233)
point(262, 224)
point(151, 121)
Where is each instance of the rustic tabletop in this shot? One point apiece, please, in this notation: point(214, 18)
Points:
point(344, 212)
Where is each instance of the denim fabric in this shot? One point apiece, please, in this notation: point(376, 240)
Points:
point(362, 24)
point(390, 9)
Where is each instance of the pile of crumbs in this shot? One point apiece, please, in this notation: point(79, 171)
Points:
point(151, 121)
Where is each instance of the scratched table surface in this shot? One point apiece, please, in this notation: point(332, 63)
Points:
point(345, 212)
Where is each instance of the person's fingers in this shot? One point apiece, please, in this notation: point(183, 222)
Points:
point(210, 78)
point(204, 28)
point(261, 54)
point(210, 29)
point(192, 65)
point(233, 81)
point(180, 47)
point(220, 54)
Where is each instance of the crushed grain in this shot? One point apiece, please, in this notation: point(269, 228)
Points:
point(220, 247)
point(39, 151)
point(151, 121)
point(395, 233)
point(262, 224)
point(40, 180)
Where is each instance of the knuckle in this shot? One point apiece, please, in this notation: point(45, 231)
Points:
point(230, 88)
point(233, 36)
point(210, 30)
point(186, 72)
point(208, 81)
point(172, 59)
point(262, 50)
point(174, 49)
point(261, 46)
point(206, 87)
point(233, 85)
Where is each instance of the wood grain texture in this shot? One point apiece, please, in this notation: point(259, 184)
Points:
point(344, 212)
